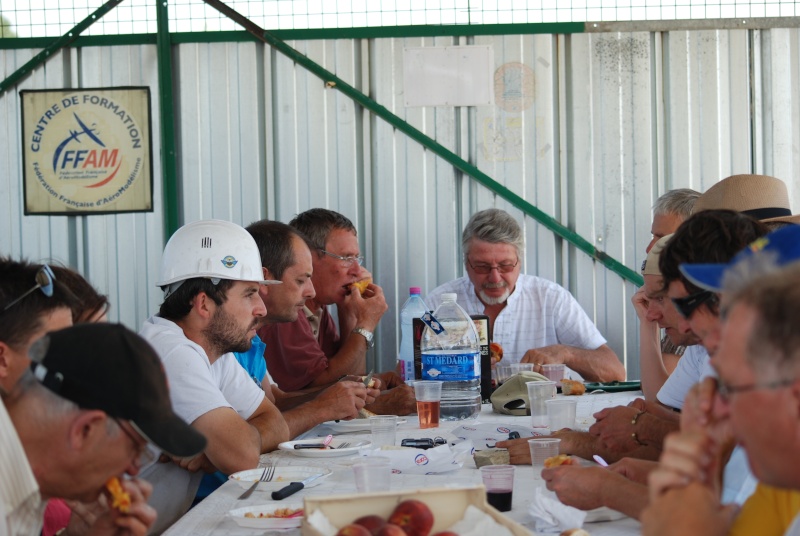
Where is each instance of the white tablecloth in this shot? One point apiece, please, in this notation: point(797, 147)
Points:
point(208, 517)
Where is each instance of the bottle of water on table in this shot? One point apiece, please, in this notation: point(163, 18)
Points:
point(413, 308)
point(451, 354)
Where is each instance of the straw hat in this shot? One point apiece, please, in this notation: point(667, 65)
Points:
point(760, 196)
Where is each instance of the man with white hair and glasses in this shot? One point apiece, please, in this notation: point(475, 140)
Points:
point(535, 320)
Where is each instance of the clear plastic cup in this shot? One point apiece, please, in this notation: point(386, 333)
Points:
point(384, 429)
point(372, 474)
point(503, 373)
point(521, 367)
point(541, 449)
point(555, 371)
point(499, 483)
point(538, 393)
point(561, 413)
point(429, 396)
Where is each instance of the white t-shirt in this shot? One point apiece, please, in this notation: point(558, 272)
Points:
point(195, 387)
point(538, 313)
point(693, 366)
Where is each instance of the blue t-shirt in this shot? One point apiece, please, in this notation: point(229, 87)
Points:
point(256, 366)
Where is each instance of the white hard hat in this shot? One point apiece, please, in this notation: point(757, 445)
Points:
point(213, 249)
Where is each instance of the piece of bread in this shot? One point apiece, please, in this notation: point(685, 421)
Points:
point(365, 414)
point(496, 351)
point(120, 499)
point(371, 383)
point(572, 387)
point(362, 285)
point(561, 459)
point(574, 532)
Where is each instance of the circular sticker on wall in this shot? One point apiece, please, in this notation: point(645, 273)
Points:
point(514, 87)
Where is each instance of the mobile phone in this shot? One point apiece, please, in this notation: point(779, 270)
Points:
point(423, 443)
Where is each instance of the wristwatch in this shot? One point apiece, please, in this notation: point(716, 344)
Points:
point(367, 335)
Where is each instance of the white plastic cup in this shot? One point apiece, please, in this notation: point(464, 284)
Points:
point(384, 429)
point(541, 449)
point(372, 474)
point(538, 393)
point(561, 413)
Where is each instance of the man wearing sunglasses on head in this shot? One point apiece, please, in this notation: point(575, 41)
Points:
point(32, 302)
point(535, 320)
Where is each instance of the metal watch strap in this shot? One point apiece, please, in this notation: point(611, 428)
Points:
point(368, 336)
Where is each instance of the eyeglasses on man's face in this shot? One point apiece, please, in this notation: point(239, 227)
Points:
point(347, 261)
point(44, 282)
point(687, 305)
point(145, 456)
point(485, 269)
point(726, 391)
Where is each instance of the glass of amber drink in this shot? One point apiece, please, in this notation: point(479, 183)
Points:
point(429, 396)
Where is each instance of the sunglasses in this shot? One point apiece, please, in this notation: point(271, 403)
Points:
point(687, 305)
point(44, 282)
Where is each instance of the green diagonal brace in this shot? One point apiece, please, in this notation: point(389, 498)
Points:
point(331, 80)
point(56, 45)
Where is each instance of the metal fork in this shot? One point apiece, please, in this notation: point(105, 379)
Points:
point(266, 476)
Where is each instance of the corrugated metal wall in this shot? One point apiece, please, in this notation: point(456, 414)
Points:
point(611, 122)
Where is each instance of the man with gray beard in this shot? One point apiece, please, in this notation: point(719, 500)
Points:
point(535, 320)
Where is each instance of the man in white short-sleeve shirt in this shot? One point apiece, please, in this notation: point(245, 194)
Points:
point(535, 320)
point(211, 273)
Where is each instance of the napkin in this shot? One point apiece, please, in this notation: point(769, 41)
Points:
point(485, 435)
point(441, 459)
point(550, 515)
point(478, 523)
point(320, 521)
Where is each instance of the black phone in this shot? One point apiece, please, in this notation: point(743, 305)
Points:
point(423, 443)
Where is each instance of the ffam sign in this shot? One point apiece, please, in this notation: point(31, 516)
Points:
point(87, 151)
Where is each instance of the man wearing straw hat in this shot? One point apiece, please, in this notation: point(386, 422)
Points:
point(761, 197)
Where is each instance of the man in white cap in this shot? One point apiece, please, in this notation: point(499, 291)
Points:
point(211, 273)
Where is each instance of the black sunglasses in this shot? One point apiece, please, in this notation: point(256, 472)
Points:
point(687, 305)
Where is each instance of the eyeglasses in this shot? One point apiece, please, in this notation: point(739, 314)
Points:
point(484, 269)
point(687, 305)
point(358, 259)
point(44, 281)
point(145, 456)
point(725, 391)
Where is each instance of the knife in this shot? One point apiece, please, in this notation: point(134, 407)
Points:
point(369, 377)
point(294, 487)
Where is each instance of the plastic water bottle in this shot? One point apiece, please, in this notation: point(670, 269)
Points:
point(413, 308)
point(453, 357)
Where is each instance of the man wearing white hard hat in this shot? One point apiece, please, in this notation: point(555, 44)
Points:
point(211, 273)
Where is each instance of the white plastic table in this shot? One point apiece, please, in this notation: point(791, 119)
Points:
point(209, 516)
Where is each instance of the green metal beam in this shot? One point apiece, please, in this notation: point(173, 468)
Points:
point(333, 81)
point(55, 46)
point(169, 167)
